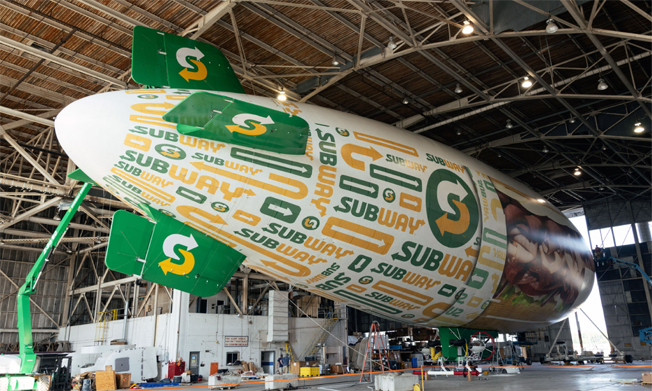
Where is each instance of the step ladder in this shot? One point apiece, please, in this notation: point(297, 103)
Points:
point(313, 349)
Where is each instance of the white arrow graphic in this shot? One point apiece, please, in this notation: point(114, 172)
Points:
point(280, 209)
point(173, 240)
point(288, 166)
point(444, 188)
point(241, 118)
point(370, 189)
point(402, 179)
point(188, 52)
point(357, 235)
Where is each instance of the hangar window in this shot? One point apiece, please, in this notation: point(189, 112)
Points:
point(232, 357)
point(602, 238)
point(624, 235)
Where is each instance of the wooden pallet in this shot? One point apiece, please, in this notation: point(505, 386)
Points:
point(218, 387)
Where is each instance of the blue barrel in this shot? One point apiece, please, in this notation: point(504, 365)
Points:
point(414, 362)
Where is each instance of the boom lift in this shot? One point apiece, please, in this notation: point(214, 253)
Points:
point(17, 372)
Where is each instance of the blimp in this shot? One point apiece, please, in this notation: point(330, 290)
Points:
point(353, 210)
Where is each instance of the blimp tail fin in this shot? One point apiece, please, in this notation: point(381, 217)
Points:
point(170, 253)
point(165, 60)
point(229, 120)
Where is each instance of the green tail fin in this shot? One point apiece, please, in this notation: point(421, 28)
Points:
point(170, 253)
point(166, 60)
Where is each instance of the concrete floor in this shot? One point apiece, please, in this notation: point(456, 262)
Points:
point(532, 378)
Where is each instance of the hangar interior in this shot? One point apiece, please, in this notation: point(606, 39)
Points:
point(555, 94)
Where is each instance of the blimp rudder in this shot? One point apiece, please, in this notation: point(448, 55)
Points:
point(167, 60)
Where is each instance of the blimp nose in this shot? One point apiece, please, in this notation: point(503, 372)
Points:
point(80, 129)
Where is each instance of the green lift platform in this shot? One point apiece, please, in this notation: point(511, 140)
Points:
point(18, 372)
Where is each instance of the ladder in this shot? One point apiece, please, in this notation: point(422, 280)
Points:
point(288, 351)
point(313, 349)
point(375, 342)
point(102, 325)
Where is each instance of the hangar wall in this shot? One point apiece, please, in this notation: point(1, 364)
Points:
point(206, 334)
point(625, 294)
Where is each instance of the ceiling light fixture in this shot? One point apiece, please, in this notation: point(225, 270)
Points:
point(391, 45)
point(527, 83)
point(459, 132)
point(638, 128)
point(458, 88)
point(572, 120)
point(468, 28)
point(405, 101)
point(281, 96)
point(551, 27)
point(602, 85)
point(545, 150)
point(335, 62)
point(500, 154)
point(509, 125)
point(577, 172)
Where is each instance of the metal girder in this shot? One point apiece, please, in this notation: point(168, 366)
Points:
point(36, 91)
point(579, 18)
point(49, 20)
point(461, 5)
point(53, 80)
point(29, 158)
point(588, 185)
point(373, 14)
point(68, 4)
point(23, 122)
point(44, 331)
point(113, 13)
point(518, 139)
point(294, 28)
point(30, 117)
point(47, 44)
point(31, 212)
point(198, 27)
point(105, 284)
point(142, 11)
point(557, 166)
point(46, 221)
point(530, 94)
point(637, 10)
point(55, 189)
point(61, 61)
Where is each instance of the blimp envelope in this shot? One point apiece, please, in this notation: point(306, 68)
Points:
point(356, 211)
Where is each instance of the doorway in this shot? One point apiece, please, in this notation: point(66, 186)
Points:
point(193, 363)
point(267, 361)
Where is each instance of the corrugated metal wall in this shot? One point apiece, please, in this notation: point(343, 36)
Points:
point(49, 295)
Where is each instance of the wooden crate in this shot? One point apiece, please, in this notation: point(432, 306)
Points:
point(123, 380)
point(105, 381)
